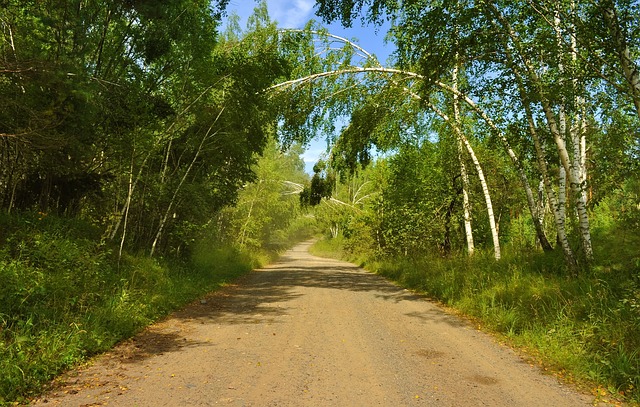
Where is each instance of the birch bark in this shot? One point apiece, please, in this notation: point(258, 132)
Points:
point(575, 170)
point(558, 136)
point(130, 190)
point(627, 64)
point(466, 204)
point(514, 159)
point(245, 226)
point(556, 204)
point(485, 189)
point(126, 208)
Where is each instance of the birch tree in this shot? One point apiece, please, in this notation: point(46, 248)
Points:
point(429, 33)
point(267, 206)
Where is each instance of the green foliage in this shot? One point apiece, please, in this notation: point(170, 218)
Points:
point(321, 185)
point(411, 231)
point(142, 126)
point(419, 206)
point(133, 116)
point(65, 296)
point(522, 69)
point(267, 211)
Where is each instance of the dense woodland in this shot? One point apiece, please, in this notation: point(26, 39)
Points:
point(148, 154)
point(135, 116)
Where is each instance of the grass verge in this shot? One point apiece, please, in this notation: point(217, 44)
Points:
point(64, 296)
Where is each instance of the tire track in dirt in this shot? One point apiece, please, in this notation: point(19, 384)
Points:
point(309, 331)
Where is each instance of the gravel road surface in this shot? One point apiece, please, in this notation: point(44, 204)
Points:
point(309, 331)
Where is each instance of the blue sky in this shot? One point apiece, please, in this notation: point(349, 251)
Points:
point(295, 14)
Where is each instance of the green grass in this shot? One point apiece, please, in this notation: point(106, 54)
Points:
point(585, 329)
point(64, 296)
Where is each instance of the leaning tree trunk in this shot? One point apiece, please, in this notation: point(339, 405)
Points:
point(245, 226)
point(514, 159)
point(571, 163)
point(557, 202)
point(167, 212)
point(467, 100)
point(126, 209)
point(629, 68)
point(485, 189)
point(574, 182)
point(466, 205)
point(538, 87)
point(485, 192)
point(130, 190)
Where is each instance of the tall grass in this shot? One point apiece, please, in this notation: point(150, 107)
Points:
point(586, 329)
point(65, 296)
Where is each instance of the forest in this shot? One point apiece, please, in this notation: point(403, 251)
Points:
point(149, 154)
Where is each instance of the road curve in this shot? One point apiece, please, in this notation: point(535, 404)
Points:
point(310, 331)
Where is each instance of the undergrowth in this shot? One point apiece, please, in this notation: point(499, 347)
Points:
point(65, 295)
point(586, 329)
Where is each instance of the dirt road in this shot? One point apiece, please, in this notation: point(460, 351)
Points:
point(312, 332)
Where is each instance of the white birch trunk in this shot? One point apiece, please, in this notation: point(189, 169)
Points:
point(466, 205)
point(245, 227)
point(473, 105)
point(165, 164)
point(485, 192)
point(334, 229)
point(561, 136)
point(574, 183)
point(576, 170)
point(578, 141)
point(557, 204)
point(130, 190)
point(514, 159)
point(126, 209)
point(541, 202)
point(558, 137)
point(629, 68)
point(485, 189)
point(562, 193)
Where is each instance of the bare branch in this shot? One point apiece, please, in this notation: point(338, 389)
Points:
point(364, 52)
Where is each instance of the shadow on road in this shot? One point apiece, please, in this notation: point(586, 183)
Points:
point(153, 342)
point(264, 295)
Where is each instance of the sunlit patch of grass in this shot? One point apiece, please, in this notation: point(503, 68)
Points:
point(332, 248)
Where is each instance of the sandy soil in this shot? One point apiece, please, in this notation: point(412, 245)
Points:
point(309, 331)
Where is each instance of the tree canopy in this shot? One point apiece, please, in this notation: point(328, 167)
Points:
point(539, 79)
point(137, 115)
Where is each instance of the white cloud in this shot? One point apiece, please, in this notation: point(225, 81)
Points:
point(291, 13)
point(288, 13)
